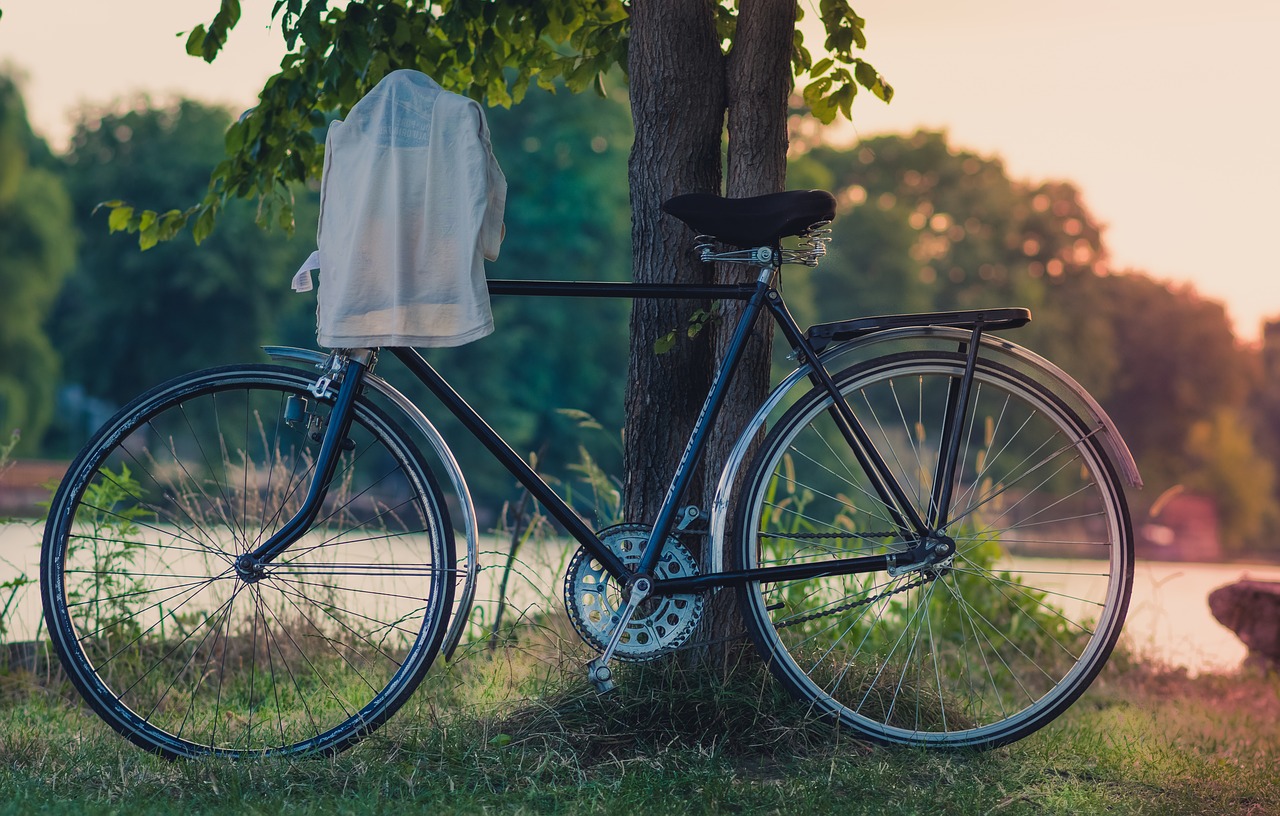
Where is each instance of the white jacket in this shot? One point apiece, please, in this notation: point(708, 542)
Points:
point(411, 203)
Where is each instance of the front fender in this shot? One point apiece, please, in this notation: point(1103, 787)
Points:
point(447, 461)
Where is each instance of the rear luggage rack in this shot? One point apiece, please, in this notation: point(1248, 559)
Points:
point(824, 334)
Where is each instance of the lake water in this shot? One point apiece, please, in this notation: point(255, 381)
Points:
point(1169, 618)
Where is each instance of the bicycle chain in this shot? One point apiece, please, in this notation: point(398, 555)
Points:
point(807, 536)
point(702, 644)
point(932, 576)
point(684, 643)
point(852, 604)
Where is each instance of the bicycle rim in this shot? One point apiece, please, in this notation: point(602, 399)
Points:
point(182, 656)
point(988, 647)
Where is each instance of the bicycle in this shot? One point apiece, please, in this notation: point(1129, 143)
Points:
point(257, 560)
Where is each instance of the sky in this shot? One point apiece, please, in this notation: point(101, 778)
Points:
point(1164, 113)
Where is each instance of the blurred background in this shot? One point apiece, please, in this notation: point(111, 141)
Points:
point(1104, 164)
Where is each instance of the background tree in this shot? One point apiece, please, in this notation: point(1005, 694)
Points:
point(36, 248)
point(1263, 411)
point(1180, 396)
point(928, 226)
point(1177, 364)
point(126, 319)
point(1223, 461)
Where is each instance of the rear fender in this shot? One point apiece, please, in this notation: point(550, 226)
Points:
point(843, 355)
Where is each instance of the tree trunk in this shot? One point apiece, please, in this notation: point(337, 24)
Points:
point(677, 104)
point(681, 85)
point(759, 84)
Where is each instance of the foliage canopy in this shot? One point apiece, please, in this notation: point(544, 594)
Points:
point(125, 319)
point(490, 51)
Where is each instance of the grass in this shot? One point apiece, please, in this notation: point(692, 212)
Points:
point(1143, 740)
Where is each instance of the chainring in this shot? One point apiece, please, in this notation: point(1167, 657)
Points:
point(594, 600)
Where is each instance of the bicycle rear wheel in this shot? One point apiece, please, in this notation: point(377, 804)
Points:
point(184, 657)
point(978, 651)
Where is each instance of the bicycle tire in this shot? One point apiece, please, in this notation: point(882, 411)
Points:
point(1001, 640)
point(180, 655)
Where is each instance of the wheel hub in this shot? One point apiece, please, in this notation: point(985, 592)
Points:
point(249, 569)
point(936, 552)
point(593, 597)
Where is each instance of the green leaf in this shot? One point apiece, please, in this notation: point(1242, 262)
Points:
point(236, 136)
point(815, 91)
point(823, 109)
point(801, 59)
point(231, 8)
point(700, 318)
point(842, 99)
point(580, 77)
point(203, 225)
point(840, 42)
point(148, 238)
point(195, 41)
point(119, 219)
point(665, 343)
point(284, 217)
point(867, 76)
point(310, 27)
point(170, 223)
point(822, 67)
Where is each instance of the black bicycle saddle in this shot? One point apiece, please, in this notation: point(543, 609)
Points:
point(752, 222)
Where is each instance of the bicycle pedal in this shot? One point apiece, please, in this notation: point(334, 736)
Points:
point(689, 517)
point(601, 676)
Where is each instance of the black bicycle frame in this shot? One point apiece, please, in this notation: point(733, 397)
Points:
point(759, 296)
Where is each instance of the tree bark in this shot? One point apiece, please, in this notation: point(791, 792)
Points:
point(681, 87)
point(758, 79)
point(677, 104)
point(759, 82)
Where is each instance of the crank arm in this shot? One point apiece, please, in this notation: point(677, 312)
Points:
point(598, 671)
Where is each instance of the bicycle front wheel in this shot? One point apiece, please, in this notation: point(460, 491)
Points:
point(184, 657)
point(982, 649)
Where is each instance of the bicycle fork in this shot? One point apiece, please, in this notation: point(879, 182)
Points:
point(349, 368)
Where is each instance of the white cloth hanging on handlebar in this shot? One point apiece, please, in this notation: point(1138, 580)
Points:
point(411, 203)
